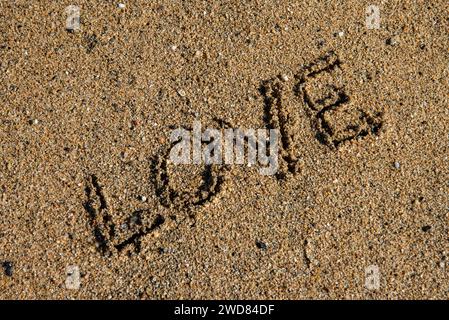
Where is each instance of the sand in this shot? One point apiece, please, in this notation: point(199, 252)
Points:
point(90, 207)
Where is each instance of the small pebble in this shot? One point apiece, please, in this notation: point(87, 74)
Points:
point(121, 5)
point(426, 228)
point(392, 41)
point(261, 245)
point(284, 77)
point(73, 281)
point(34, 121)
point(198, 54)
point(124, 226)
point(397, 165)
point(182, 93)
point(143, 198)
point(8, 267)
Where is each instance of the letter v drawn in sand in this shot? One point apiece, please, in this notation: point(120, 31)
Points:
point(181, 189)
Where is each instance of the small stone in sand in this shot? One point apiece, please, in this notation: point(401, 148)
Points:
point(392, 41)
point(182, 93)
point(397, 165)
point(143, 198)
point(261, 245)
point(73, 279)
point(8, 267)
point(121, 5)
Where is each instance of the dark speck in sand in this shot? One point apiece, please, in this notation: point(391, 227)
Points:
point(8, 267)
point(261, 245)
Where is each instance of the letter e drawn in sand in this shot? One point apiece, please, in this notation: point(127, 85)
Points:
point(335, 118)
point(320, 88)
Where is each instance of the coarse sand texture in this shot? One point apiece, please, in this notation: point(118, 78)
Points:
point(99, 100)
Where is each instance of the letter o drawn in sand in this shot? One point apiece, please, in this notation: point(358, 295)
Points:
point(185, 186)
point(195, 180)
